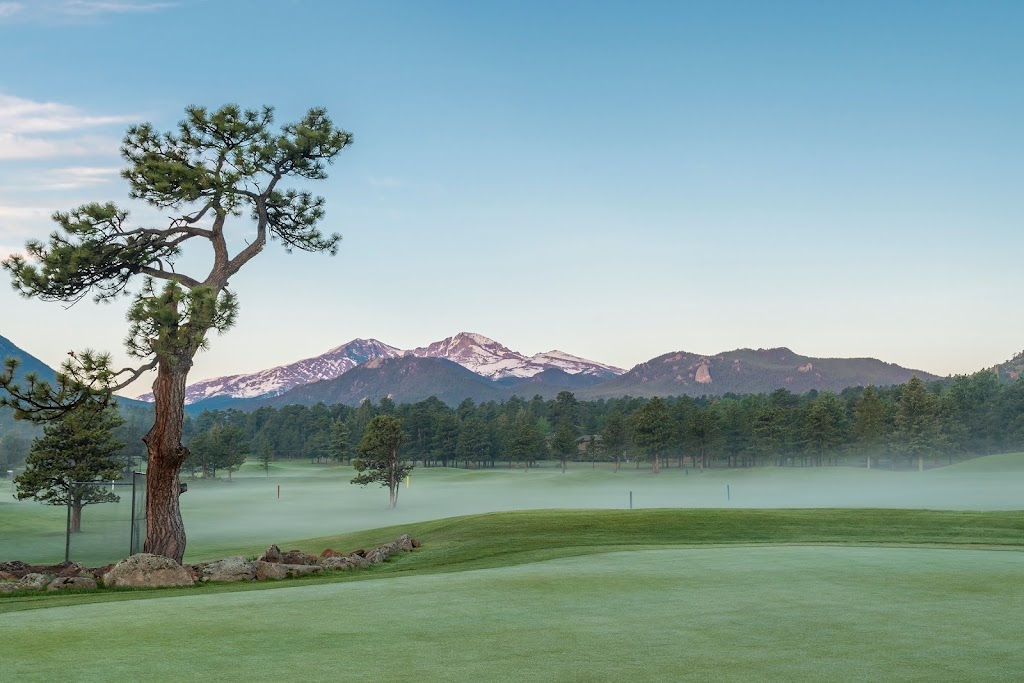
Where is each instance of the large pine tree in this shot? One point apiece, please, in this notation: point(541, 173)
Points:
point(216, 168)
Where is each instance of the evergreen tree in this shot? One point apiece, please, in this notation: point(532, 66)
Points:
point(918, 431)
point(563, 442)
point(379, 460)
point(264, 454)
point(614, 436)
point(474, 440)
point(869, 423)
point(703, 433)
point(218, 165)
point(76, 448)
point(653, 430)
point(340, 445)
point(824, 426)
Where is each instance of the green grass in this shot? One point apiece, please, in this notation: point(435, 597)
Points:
point(516, 538)
point(854, 594)
point(245, 515)
point(726, 614)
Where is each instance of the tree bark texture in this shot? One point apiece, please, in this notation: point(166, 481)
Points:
point(165, 531)
point(76, 514)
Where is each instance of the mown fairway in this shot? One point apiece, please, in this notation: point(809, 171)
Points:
point(730, 614)
point(775, 594)
point(245, 515)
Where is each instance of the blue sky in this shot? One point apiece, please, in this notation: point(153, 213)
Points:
point(613, 179)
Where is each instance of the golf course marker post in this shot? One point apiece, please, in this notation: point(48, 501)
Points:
point(727, 495)
point(630, 500)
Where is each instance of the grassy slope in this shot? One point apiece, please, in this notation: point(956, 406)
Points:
point(516, 538)
point(726, 614)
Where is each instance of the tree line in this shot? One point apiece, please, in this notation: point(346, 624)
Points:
point(905, 426)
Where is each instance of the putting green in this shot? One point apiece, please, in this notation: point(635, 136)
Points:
point(723, 614)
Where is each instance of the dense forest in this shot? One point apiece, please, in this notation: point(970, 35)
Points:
point(914, 425)
point(908, 426)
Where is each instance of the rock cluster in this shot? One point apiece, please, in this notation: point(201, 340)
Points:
point(277, 564)
point(154, 571)
point(19, 576)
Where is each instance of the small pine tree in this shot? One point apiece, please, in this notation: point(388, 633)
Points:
point(79, 447)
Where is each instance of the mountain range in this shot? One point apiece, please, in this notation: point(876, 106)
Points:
point(470, 365)
point(475, 352)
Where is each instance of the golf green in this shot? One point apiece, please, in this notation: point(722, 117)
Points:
point(724, 614)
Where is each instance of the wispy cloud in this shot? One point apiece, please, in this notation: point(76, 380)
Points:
point(9, 10)
point(75, 177)
point(42, 130)
point(86, 8)
point(57, 11)
point(27, 147)
point(20, 115)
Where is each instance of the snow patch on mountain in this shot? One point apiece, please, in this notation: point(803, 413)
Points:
point(475, 352)
point(278, 380)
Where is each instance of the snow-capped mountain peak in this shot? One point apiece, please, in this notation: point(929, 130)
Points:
point(475, 352)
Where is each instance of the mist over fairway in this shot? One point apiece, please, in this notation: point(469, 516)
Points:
point(317, 500)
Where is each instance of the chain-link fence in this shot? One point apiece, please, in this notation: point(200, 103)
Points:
point(105, 520)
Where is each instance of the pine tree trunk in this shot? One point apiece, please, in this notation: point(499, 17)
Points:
point(76, 515)
point(165, 531)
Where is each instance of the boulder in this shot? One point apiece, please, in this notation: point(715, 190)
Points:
point(390, 549)
point(415, 543)
point(34, 582)
point(8, 576)
point(298, 557)
point(276, 571)
point(375, 557)
point(331, 553)
point(339, 563)
point(273, 554)
point(28, 582)
point(229, 569)
point(14, 566)
point(358, 561)
point(404, 542)
point(64, 582)
point(147, 571)
point(73, 569)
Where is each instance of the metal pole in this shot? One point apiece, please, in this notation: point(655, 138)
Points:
point(630, 500)
point(67, 532)
point(131, 527)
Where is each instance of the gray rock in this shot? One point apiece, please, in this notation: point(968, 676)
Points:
point(404, 542)
point(375, 556)
point(147, 571)
point(63, 582)
point(229, 569)
point(338, 563)
point(275, 571)
point(358, 561)
point(298, 557)
point(273, 554)
point(35, 582)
